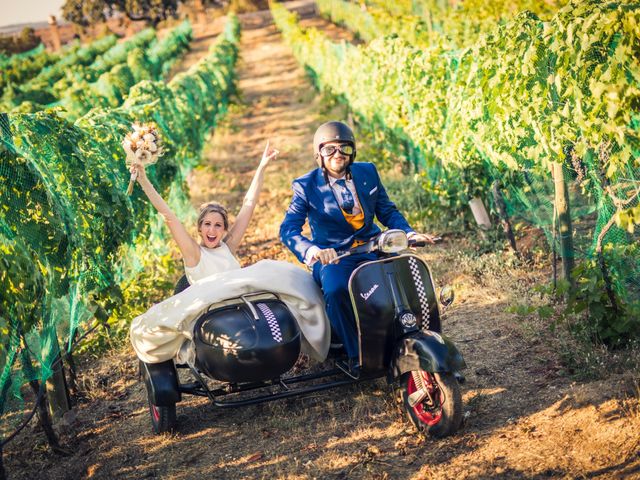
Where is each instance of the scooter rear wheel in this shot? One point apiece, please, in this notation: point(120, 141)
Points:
point(163, 418)
point(439, 414)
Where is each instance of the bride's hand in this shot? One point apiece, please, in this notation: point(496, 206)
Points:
point(139, 171)
point(269, 154)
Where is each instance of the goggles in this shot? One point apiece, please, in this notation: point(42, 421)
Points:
point(345, 149)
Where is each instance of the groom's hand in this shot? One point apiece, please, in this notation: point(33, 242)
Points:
point(424, 238)
point(326, 256)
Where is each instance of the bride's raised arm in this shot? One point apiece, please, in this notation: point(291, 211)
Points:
point(237, 231)
point(188, 246)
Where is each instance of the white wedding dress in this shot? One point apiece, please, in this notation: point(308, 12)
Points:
point(212, 260)
point(158, 334)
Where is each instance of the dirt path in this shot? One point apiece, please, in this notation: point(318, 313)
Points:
point(524, 416)
point(203, 38)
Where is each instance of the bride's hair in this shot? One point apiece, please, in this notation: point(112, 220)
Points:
point(213, 207)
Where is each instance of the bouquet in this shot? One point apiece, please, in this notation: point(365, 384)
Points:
point(143, 146)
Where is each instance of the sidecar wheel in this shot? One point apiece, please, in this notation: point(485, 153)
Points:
point(163, 419)
point(440, 414)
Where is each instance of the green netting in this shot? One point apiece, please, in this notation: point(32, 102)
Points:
point(527, 94)
point(374, 21)
point(106, 81)
point(165, 52)
point(461, 24)
point(69, 235)
point(18, 70)
point(131, 64)
point(6, 59)
point(37, 89)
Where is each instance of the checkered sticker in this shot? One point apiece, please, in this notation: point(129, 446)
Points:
point(422, 294)
point(271, 321)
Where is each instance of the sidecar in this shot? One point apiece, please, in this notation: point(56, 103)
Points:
point(249, 340)
point(249, 344)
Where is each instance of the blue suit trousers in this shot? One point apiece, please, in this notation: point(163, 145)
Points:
point(334, 281)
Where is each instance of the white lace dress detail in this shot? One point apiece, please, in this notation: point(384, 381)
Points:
point(212, 260)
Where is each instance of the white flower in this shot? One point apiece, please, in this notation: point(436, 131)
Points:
point(143, 145)
point(143, 156)
point(127, 149)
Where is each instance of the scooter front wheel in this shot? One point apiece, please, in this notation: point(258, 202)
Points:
point(432, 401)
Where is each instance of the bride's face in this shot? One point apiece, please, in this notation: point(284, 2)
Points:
point(212, 230)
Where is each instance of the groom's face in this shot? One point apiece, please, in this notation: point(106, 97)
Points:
point(337, 163)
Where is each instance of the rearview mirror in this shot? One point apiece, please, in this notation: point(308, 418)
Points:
point(447, 296)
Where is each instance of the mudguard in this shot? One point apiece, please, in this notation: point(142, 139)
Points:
point(161, 380)
point(428, 351)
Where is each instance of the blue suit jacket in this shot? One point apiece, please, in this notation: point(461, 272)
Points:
point(313, 199)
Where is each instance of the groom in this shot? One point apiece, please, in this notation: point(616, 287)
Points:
point(340, 199)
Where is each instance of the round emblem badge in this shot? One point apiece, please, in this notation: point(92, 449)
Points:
point(408, 319)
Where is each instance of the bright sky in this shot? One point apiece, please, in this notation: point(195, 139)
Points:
point(22, 11)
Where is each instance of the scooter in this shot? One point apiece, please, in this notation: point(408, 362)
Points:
point(253, 342)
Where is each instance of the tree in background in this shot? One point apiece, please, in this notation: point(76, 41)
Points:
point(27, 40)
point(90, 12)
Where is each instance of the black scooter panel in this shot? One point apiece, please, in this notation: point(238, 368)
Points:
point(371, 287)
point(373, 304)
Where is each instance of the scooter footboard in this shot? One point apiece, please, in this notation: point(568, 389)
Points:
point(428, 351)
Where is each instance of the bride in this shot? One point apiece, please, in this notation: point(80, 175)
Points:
point(218, 242)
point(214, 274)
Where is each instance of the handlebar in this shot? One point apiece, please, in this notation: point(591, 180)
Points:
point(416, 243)
point(367, 247)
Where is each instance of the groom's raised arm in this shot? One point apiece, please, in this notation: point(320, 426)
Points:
point(291, 227)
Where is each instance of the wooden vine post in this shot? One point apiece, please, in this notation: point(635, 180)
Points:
point(501, 206)
point(3, 398)
point(201, 14)
point(563, 212)
point(57, 390)
point(3, 473)
point(43, 413)
point(55, 33)
point(129, 28)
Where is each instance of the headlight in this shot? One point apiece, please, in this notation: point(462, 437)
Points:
point(392, 241)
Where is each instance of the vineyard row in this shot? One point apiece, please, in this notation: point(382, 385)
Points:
point(68, 227)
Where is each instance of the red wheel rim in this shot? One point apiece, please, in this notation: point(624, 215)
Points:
point(427, 412)
point(155, 413)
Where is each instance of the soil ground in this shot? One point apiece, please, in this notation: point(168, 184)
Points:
point(525, 415)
